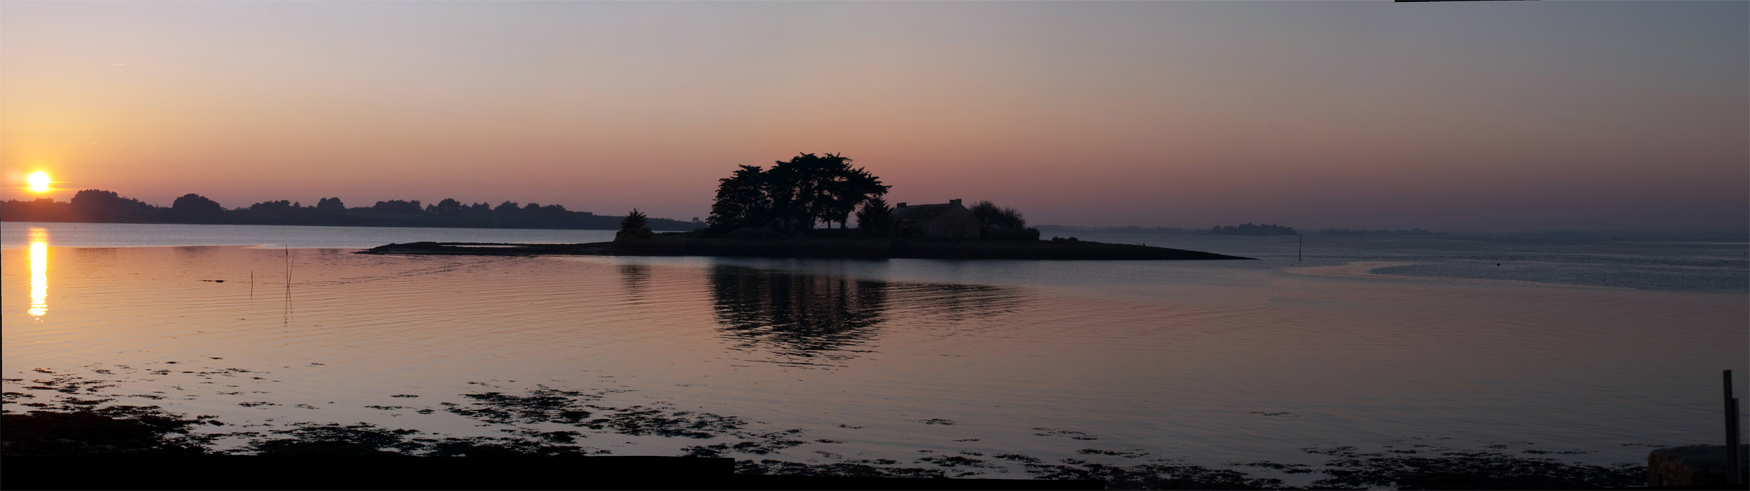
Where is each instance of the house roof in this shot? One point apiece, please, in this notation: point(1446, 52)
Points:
point(923, 213)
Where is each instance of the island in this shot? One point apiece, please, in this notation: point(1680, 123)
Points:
point(679, 244)
point(779, 212)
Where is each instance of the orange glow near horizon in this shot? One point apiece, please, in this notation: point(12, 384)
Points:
point(39, 271)
point(39, 182)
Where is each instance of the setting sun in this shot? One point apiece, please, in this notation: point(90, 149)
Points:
point(39, 182)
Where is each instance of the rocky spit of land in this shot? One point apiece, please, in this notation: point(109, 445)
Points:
point(675, 245)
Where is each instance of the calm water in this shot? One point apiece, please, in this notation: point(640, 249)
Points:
point(1593, 348)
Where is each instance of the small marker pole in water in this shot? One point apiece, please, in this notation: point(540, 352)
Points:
point(1733, 472)
point(1299, 248)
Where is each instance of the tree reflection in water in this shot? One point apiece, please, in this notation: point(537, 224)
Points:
point(807, 318)
point(634, 280)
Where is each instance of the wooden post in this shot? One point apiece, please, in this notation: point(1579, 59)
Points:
point(1733, 472)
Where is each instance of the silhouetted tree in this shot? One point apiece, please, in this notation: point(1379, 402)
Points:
point(741, 201)
point(447, 207)
point(794, 195)
point(38, 210)
point(634, 220)
point(271, 206)
point(875, 218)
point(196, 208)
point(848, 189)
point(106, 206)
point(398, 206)
point(990, 217)
point(330, 205)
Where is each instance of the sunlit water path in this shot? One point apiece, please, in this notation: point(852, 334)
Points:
point(1211, 362)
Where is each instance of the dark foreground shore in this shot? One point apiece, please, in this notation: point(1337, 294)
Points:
point(818, 248)
point(130, 447)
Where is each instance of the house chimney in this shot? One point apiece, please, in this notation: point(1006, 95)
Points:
point(901, 205)
point(953, 202)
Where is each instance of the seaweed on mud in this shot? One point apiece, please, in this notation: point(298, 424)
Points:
point(849, 468)
point(1276, 466)
point(1077, 435)
point(759, 445)
point(1128, 454)
point(540, 406)
point(1487, 469)
point(1026, 459)
point(504, 447)
point(1164, 475)
point(570, 408)
point(113, 430)
point(366, 440)
point(1555, 452)
point(336, 440)
point(953, 461)
point(640, 421)
point(65, 384)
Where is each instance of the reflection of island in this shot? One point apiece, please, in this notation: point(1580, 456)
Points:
point(805, 316)
point(796, 315)
point(635, 277)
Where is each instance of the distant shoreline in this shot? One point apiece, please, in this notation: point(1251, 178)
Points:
point(468, 226)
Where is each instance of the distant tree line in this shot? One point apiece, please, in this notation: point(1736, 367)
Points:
point(94, 205)
point(1382, 233)
point(1252, 229)
point(1121, 230)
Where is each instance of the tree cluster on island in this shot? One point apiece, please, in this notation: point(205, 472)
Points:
point(794, 196)
point(999, 223)
point(99, 206)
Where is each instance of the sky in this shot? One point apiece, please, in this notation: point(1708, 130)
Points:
point(1495, 117)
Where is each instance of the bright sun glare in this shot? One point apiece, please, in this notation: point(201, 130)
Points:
point(39, 182)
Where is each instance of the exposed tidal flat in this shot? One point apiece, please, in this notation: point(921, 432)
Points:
point(1369, 362)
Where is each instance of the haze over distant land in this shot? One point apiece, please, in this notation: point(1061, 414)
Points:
point(1485, 117)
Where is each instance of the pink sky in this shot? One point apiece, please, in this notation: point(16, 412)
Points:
point(1462, 117)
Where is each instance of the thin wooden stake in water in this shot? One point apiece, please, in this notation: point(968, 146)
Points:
point(1733, 472)
point(1298, 249)
point(286, 318)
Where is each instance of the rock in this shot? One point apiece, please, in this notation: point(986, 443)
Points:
point(1700, 465)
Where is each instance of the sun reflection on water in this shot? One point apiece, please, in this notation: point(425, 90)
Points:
point(39, 271)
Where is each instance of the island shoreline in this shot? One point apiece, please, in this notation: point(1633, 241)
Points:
point(832, 248)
